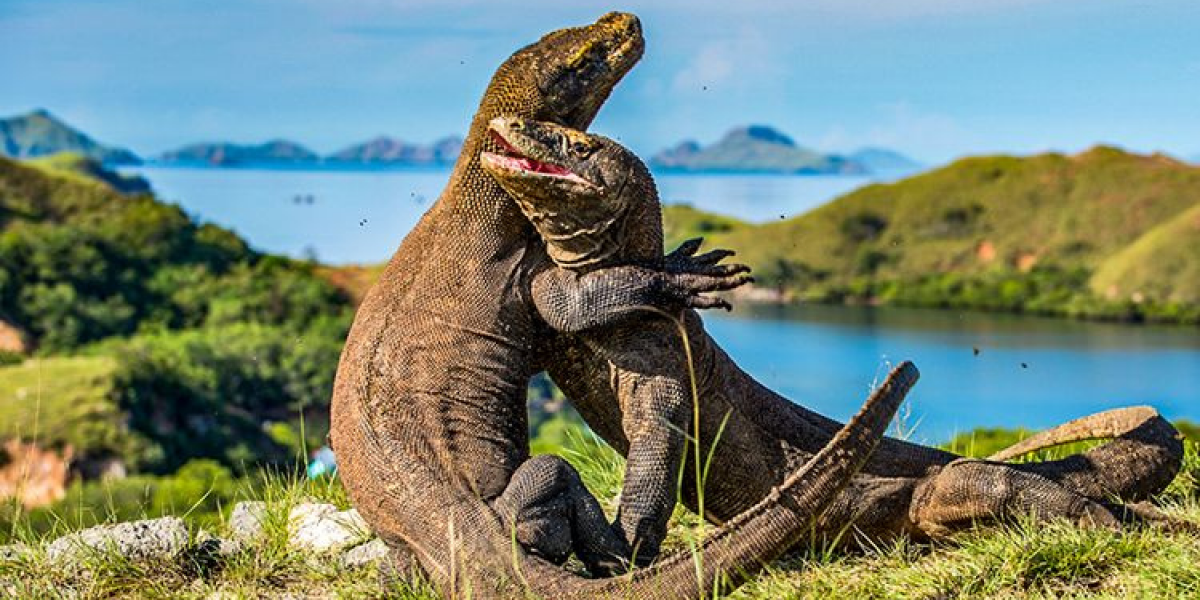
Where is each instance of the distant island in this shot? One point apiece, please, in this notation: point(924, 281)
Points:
point(749, 149)
point(880, 160)
point(226, 154)
point(40, 133)
point(379, 151)
point(763, 149)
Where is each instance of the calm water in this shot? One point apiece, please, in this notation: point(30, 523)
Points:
point(360, 216)
point(1029, 371)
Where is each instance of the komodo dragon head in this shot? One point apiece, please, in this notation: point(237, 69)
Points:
point(568, 74)
point(575, 187)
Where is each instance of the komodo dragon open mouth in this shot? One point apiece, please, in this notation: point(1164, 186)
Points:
point(519, 162)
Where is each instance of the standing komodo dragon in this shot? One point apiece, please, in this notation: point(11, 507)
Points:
point(428, 414)
point(594, 203)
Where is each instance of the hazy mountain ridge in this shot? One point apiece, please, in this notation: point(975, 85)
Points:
point(750, 149)
point(381, 150)
point(390, 150)
point(230, 154)
point(882, 159)
point(764, 149)
point(40, 133)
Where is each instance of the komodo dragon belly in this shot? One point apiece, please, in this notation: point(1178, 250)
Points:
point(459, 386)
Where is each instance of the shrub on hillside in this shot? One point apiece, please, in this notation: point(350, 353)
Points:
point(208, 392)
point(81, 263)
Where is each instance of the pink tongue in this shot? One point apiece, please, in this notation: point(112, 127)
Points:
point(541, 167)
point(528, 164)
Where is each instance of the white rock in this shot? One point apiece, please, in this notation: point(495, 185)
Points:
point(14, 552)
point(365, 554)
point(246, 521)
point(322, 528)
point(138, 540)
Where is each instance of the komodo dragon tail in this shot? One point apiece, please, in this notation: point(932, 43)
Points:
point(742, 546)
point(1143, 457)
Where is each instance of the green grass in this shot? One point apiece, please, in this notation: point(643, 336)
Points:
point(1023, 560)
point(62, 401)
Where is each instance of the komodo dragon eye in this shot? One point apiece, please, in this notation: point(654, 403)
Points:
point(581, 148)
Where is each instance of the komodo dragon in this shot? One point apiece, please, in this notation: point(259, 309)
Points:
point(428, 414)
point(594, 203)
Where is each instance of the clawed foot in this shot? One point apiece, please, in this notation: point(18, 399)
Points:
point(688, 275)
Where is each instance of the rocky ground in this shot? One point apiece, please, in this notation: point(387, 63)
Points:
point(329, 543)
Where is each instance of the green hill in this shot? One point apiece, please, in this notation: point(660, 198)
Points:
point(40, 133)
point(998, 232)
point(204, 348)
point(61, 402)
point(90, 170)
point(1164, 264)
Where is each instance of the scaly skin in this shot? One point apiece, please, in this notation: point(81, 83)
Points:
point(615, 377)
point(428, 415)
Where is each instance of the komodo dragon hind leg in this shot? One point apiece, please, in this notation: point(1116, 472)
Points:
point(552, 514)
point(969, 491)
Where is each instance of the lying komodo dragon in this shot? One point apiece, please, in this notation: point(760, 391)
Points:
point(428, 414)
point(594, 203)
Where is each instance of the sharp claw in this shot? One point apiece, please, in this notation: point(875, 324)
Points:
point(688, 247)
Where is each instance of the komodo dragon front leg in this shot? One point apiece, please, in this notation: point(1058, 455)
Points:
point(599, 207)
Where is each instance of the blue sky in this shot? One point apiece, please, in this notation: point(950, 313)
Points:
point(935, 79)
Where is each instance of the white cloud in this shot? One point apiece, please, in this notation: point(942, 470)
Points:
point(922, 134)
point(745, 58)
